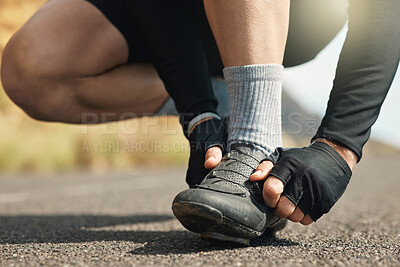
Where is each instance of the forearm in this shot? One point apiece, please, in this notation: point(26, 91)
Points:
point(366, 69)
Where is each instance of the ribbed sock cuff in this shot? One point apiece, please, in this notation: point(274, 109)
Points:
point(251, 73)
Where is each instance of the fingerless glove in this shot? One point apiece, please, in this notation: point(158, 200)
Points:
point(315, 177)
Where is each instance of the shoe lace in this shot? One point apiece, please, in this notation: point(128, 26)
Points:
point(239, 166)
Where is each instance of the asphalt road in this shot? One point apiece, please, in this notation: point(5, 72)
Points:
point(126, 219)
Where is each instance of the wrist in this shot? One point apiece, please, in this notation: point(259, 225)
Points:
point(347, 154)
point(200, 119)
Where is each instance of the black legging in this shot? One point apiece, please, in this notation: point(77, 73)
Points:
point(176, 48)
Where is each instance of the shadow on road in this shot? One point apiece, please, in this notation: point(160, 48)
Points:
point(21, 229)
point(55, 229)
point(184, 242)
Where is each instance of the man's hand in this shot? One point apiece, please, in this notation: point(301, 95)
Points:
point(306, 182)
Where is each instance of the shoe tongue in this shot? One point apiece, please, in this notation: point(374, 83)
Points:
point(250, 151)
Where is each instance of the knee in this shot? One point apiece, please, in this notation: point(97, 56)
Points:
point(25, 79)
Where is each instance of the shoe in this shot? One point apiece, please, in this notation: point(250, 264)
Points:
point(226, 205)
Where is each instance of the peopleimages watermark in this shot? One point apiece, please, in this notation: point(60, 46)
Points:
point(294, 123)
point(134, 147)
point(126, 125)
point(305, 123)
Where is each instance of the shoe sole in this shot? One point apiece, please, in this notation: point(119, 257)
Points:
point(211, 237)
point(210, 223)
point(270, 231)
point(275, 227)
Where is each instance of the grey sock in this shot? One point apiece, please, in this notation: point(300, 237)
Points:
point(255, 105)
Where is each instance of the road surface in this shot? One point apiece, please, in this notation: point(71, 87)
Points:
point(126, 219)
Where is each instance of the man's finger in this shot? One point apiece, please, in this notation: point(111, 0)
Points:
point(284, 208)
point(297, 215)
point(273, 188)
point(262, 171)
point(213, 157)
point(306, 220)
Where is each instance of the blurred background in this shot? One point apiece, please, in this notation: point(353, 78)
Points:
point(27, 145)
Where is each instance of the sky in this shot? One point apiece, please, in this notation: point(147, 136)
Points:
point(316, 77)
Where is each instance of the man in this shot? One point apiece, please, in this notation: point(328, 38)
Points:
point(70, 59)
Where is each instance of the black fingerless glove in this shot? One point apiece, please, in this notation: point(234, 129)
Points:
point(315, 177)
point(207, 134)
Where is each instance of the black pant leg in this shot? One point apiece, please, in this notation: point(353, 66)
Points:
point(177, 53)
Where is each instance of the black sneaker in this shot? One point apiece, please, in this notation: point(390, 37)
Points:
point(226, 205)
